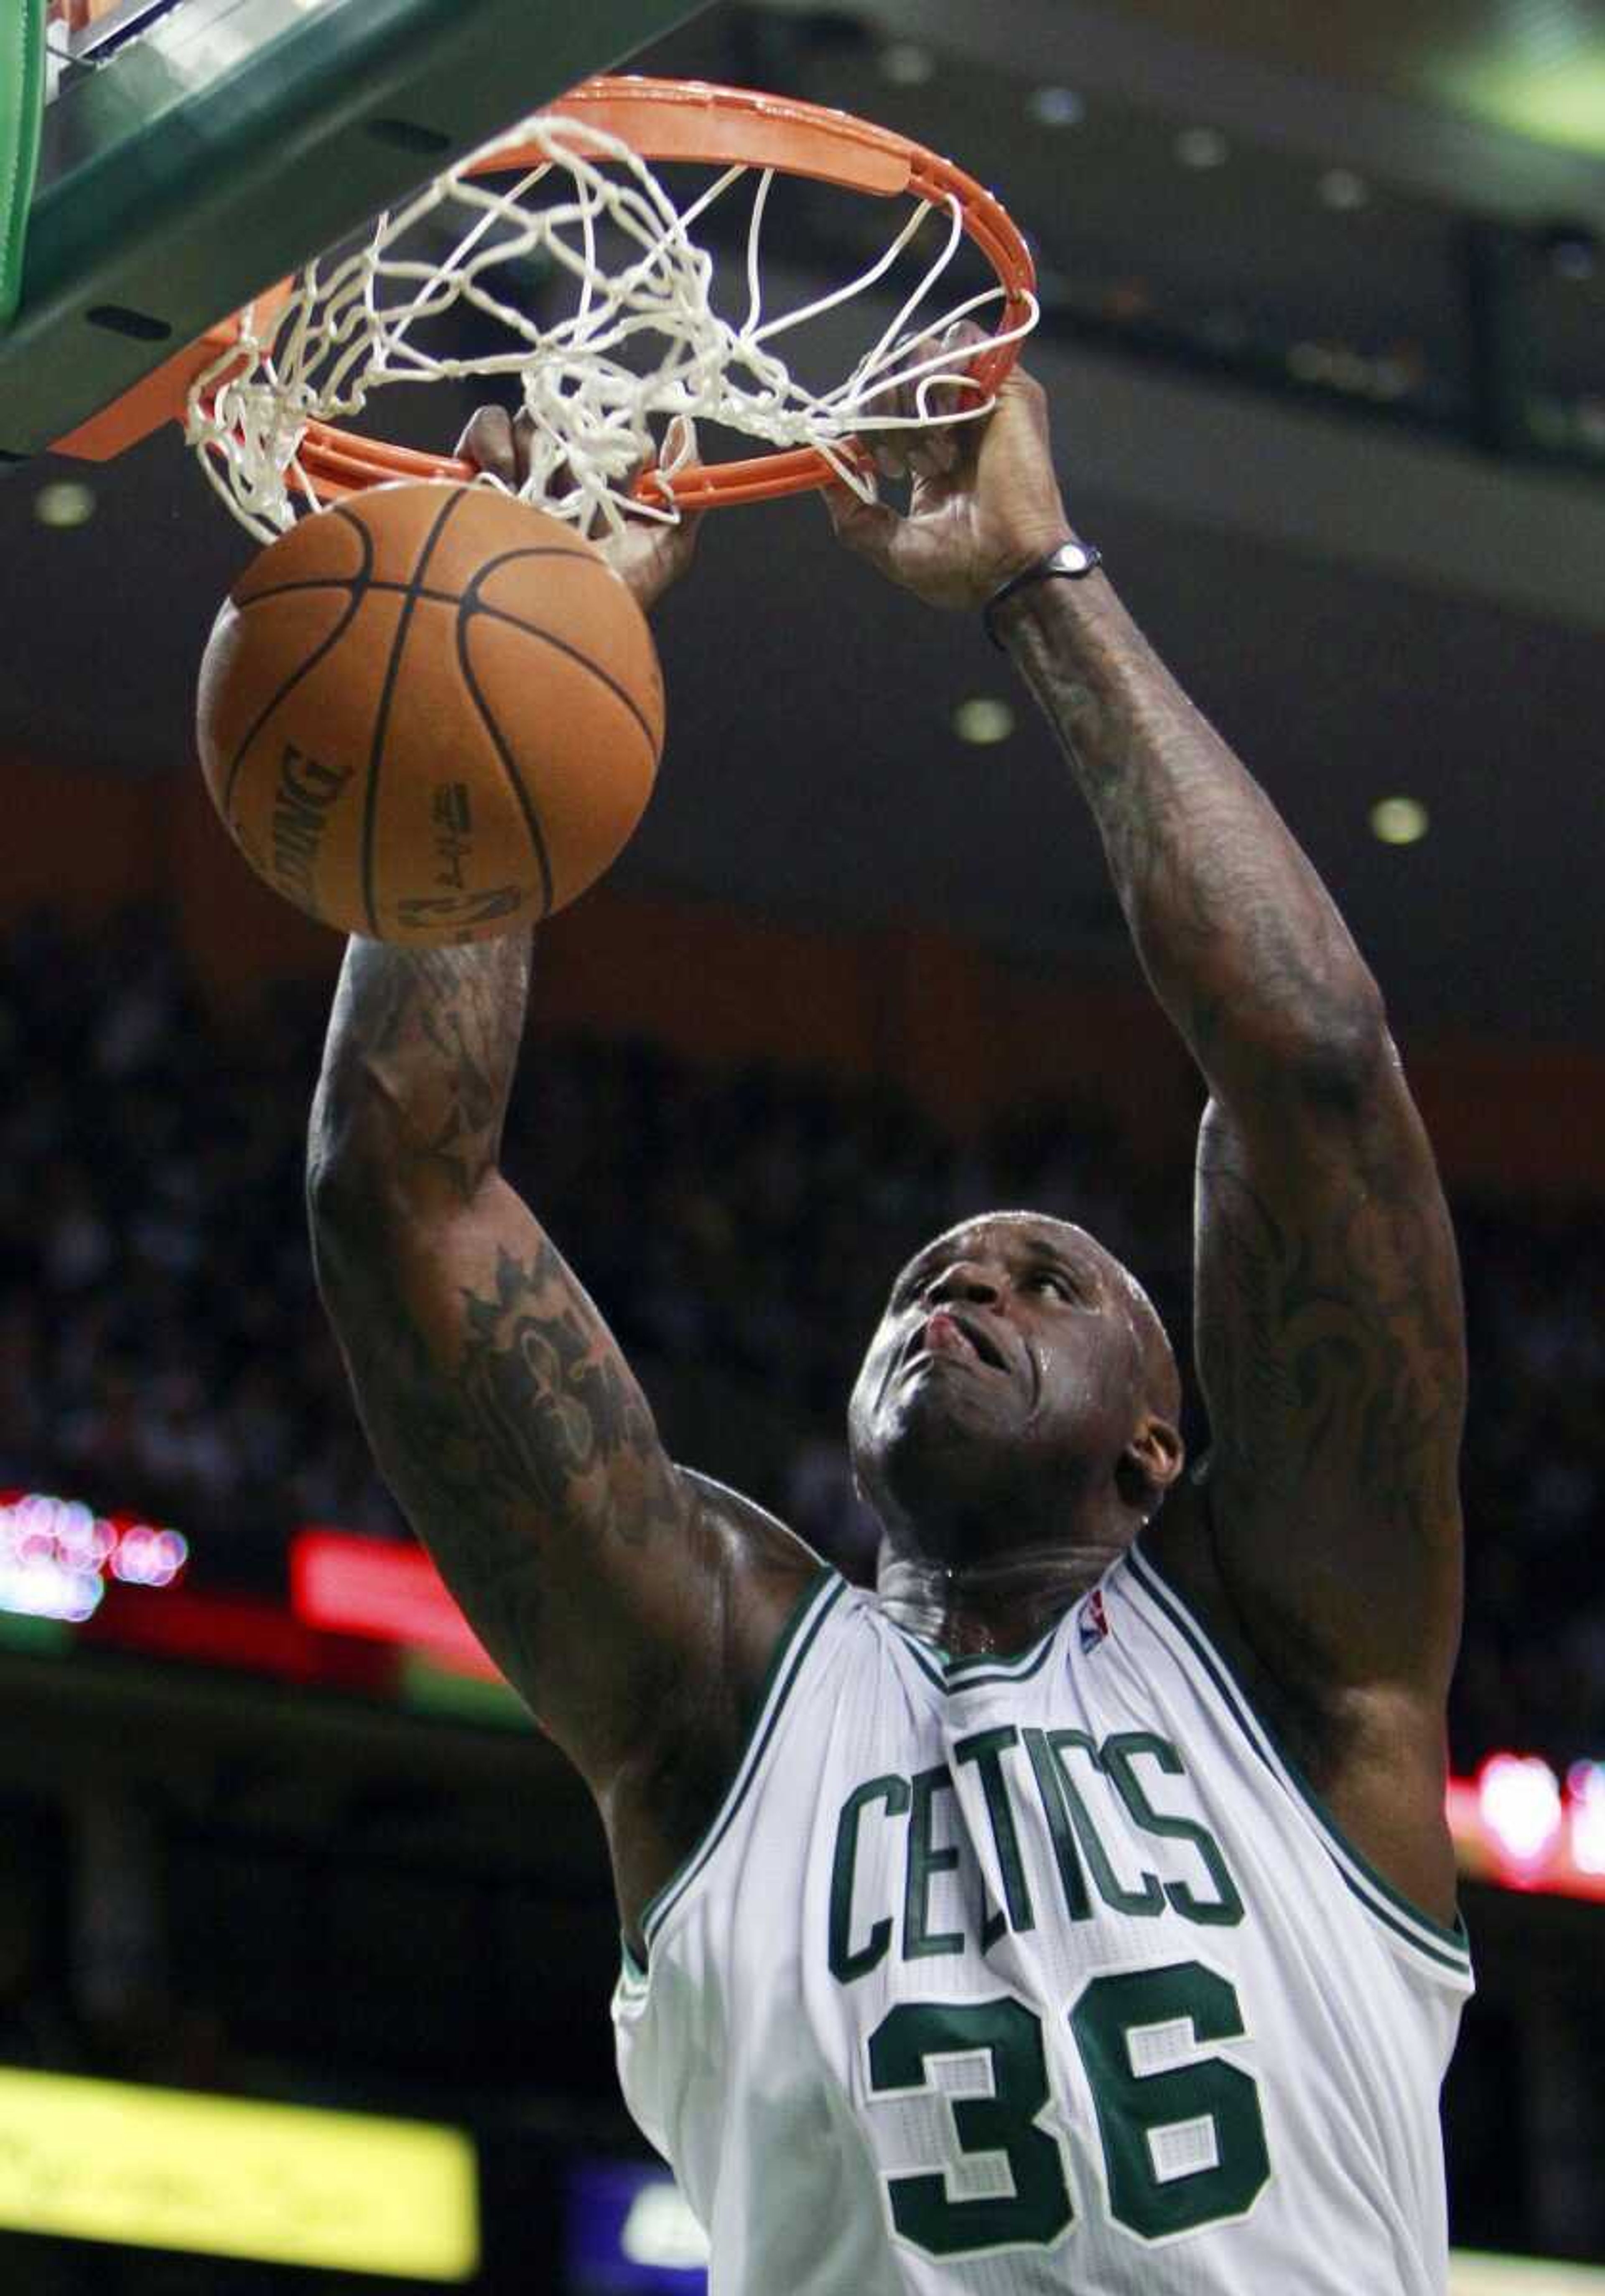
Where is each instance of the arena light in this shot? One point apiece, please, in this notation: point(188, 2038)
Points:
point(983, 721)
point(1519, 1798)
point(57, 1554)
point(660, 2229)
point(385, 1591)
point(1343, 191)
point(1056, 107)
point(64, 505)
point(1585, 1786)
point(211, 2176)
point(908, 65)
point(1565, 107)
point(1472, 2273)
point(630, 2232)
point(1399, 821)
point(1203, 148)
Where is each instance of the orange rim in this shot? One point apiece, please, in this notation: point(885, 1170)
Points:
point(690, 119)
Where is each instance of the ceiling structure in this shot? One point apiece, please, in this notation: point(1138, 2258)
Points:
point(1367, 608)
point(1535, 67)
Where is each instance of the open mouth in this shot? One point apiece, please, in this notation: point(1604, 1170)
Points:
point(946, 1333)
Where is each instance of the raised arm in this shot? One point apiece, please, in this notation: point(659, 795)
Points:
point(1329, 1321)
point(633, 1605)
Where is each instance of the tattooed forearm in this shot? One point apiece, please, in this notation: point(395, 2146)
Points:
point(531, 1429)
point(419, 1059)
point(1243, 945)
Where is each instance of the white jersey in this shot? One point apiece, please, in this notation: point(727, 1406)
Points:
point(1039, 1976)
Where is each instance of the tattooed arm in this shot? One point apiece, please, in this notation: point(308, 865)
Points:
point(1329, 1320)
point(633, 1605)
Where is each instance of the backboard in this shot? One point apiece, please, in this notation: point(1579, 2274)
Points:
point(194, 152)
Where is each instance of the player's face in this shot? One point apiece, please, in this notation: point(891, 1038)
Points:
point(1008, 1357)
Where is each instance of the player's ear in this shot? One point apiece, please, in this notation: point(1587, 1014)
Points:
point(1150, 1463)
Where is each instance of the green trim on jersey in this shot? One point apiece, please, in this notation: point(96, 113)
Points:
point(797, 1638)
point(951, 1674)
point(1450, 1948)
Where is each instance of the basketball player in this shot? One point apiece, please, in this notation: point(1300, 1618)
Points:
point(1076, 1912)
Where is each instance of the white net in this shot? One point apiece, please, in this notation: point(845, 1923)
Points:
point(639, 342)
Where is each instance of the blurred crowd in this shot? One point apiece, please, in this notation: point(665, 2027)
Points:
point(161, 1346)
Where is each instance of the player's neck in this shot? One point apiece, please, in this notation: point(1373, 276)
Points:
point(1003, 1604)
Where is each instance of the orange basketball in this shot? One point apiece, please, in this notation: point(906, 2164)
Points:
point(430, 714)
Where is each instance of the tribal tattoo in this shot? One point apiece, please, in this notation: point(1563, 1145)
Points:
point(497, 1403)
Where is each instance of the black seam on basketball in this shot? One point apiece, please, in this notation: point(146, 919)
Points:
point(526, 804)
point(383, 720)
point(471, 600)
point(346, 581)
point(302, 670)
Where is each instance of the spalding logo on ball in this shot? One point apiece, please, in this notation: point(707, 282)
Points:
point(430, 714)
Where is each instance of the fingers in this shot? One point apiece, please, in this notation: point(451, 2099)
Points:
point(935, 387)
point(488, 443)
point(870, 530)
point(653, 478)
point(498, 444)
point(679, 445)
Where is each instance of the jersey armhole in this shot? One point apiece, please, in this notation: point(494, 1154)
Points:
point(1446, 1949)
point(796, 1641)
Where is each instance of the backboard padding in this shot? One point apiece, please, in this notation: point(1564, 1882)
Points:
point(219, 149)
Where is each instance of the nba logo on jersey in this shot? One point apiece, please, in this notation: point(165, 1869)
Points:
point(1093, 1622)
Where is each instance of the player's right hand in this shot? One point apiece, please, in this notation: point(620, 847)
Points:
point(984, 503)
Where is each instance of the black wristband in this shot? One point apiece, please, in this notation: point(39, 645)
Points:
point(1071, 561)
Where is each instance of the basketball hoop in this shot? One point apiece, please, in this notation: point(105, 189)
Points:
point(642, 340)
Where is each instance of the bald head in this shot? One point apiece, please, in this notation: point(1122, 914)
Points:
point(1161, 1380)
point(1020, 1374)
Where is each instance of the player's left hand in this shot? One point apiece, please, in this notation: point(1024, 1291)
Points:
point(650, 556)
point(984, 503)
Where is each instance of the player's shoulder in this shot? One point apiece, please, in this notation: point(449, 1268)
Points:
point(764, 1577)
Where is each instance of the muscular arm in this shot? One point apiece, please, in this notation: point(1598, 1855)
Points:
point(1327, 1297)
point(626, 1605)
point(1328, 1303)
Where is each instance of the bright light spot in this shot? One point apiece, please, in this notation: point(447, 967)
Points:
point(1586, 1783)
point(1519, 1798)
point(1399, 821)
point(907, 66)
point(64, 503)
point(1559, 102)
point(1342, 190)
point(149, 1557)
point(983, 721)
point(1202, 147)
point(55, 1555)
point(660, 2230)
point(1056, 107)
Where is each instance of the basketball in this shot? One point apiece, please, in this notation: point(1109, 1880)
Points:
point(430, 714)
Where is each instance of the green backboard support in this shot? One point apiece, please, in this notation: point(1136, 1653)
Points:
point(231, 139)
